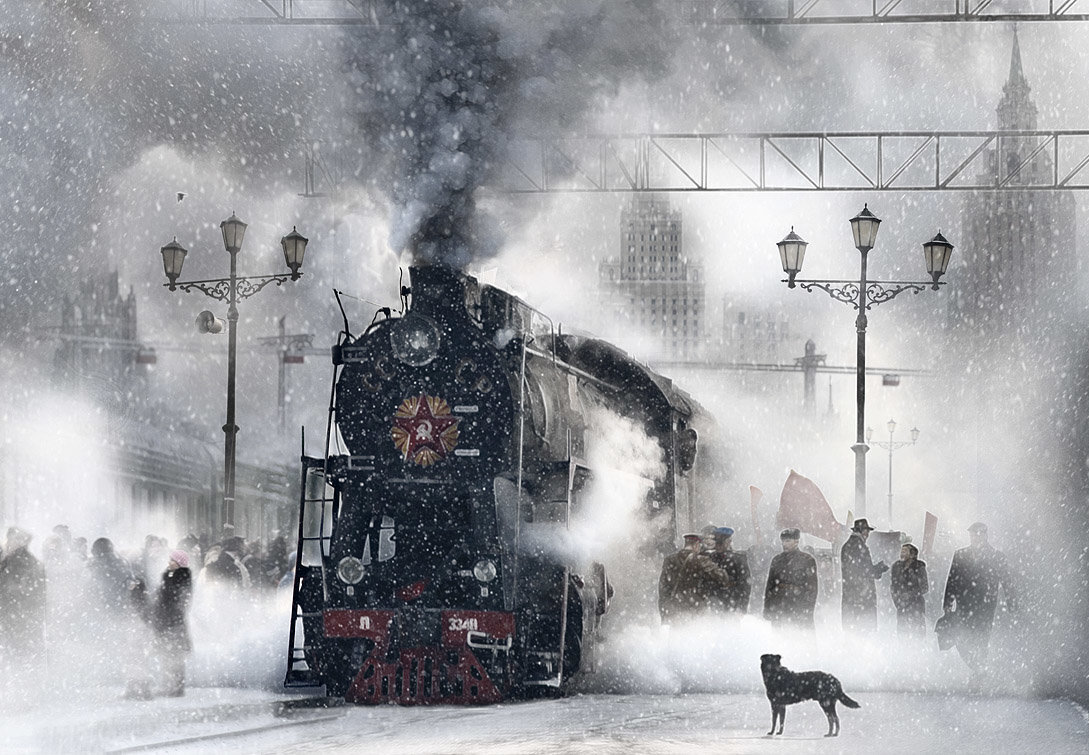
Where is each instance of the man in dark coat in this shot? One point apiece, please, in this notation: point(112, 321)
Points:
point(910, 585)
point(22, 597)
point(687, 580)
point(168, 616)
point(732, 597)
point(859, 573)
point(791, 592)
point(971, 595)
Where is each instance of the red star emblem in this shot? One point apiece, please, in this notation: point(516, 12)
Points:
point(424, 431)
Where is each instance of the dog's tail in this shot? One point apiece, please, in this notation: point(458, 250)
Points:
point(848, 702)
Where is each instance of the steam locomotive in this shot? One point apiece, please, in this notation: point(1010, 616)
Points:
point(456, 457)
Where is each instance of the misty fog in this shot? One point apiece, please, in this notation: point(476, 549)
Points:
point(108, 116)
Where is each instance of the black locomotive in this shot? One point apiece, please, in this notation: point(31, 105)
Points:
point(456, 454)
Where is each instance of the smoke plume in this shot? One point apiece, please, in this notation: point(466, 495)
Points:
point(441, 93)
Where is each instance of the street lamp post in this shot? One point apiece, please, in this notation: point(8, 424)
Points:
point(892, 445)
point(231, 290)
point(862, 294)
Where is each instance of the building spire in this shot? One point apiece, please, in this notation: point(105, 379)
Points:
point(1017, 75)
point(1016, 110)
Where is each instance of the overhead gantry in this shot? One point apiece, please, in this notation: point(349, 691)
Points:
point(901, 161)
point(798, 161)
point(693, 12)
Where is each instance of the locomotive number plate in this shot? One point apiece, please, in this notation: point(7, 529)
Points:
point(456, 626)
point(459, 624)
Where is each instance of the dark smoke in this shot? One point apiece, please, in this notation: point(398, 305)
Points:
point(442, 92)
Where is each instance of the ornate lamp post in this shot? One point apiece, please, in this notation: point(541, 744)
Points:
point(892, 445)
point(862, 295)
point(231, 290)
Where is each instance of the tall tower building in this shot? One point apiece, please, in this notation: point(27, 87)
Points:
point(1013, 346)
point(652, 285)
point(1018, 260)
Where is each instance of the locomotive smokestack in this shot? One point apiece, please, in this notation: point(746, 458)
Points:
point(439, 288)
point(444, 239)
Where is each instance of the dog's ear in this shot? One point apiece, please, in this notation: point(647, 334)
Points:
point(777, 658)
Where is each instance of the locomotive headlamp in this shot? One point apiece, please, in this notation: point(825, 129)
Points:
point(415, 340)
point(485, 570)
point(350, 570)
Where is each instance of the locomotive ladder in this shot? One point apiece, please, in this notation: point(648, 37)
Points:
point(313, 509)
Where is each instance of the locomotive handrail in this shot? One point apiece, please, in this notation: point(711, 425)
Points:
point(576, 370)
point(521, 447)
point(503, 644)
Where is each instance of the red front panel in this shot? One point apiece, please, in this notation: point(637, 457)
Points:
point(449, 674)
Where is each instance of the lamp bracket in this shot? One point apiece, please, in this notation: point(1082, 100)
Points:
point(877, 292)
point(220, 288)
point(893, 445)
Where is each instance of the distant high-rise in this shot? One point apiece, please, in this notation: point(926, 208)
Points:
point(1018, 257)
point(652, 285)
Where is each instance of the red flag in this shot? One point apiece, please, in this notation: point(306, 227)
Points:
point(755, 494)
point(930, 531)
point(802, 505)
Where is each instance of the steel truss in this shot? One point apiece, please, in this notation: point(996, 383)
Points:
point(695, 12)
point(844, 161)
point(265, 12)
point(792, 12)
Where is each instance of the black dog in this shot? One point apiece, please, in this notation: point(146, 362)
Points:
point(785, 687)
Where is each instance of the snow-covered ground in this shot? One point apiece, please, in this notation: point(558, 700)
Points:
point(599, 724)
point(657, 689)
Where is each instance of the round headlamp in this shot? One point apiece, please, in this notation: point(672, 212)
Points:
point(415, 340)
point(350, 570)
point(485, 570)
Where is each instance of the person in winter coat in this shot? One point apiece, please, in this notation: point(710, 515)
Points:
point(910, 585)
point(228, 568)
point(688, 577)
point(790, 595)
point(859, 574)
point(22, 597)
point(971, 595)
point(111, 579)
point(734, 596)
point(168, 621)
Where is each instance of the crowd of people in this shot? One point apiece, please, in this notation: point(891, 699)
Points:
point(707, 576)
point(132, 606)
